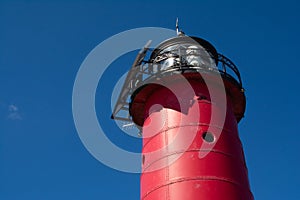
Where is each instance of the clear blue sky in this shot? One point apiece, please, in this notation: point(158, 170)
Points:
point(43, 43)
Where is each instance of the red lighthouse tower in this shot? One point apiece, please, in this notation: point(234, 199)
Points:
point(188, 99)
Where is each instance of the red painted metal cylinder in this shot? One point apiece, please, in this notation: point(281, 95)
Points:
point(184, 131)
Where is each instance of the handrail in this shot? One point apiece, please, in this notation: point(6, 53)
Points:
point(143, 71)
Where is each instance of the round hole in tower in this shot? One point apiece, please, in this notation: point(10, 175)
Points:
point(208, 137)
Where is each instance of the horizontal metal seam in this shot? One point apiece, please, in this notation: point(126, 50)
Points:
point(187, 125)
point(201, 178)
point(184, 151)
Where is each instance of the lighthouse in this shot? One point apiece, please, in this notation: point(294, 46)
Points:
point(187, 100)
